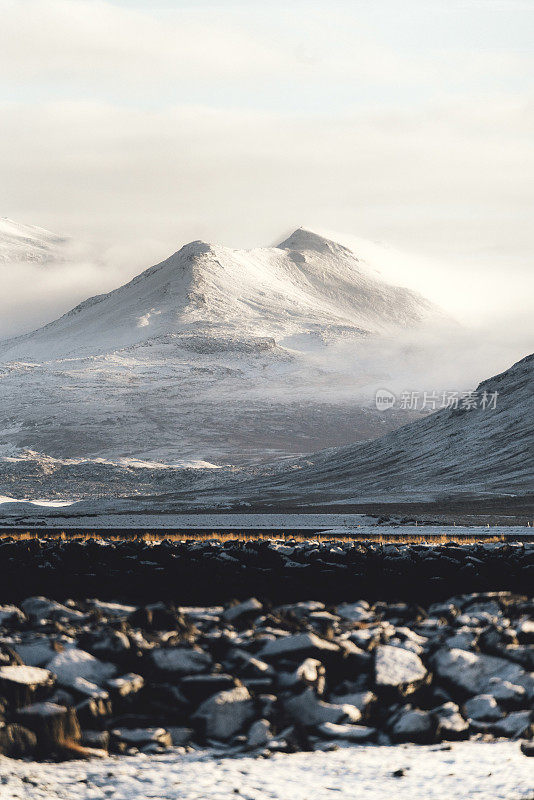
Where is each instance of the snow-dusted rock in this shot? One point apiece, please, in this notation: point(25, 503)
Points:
point(471, 673)
point(10, 615)
point(74, 663)
point(514, 725)
point(354, 612)
point(450, 725)
point(298, 645)
point(41, 609)
point(506, 693)
point(141, 737)
point(180, 661)
point(125, 685)
point(482, 708)
point(413, 725)
point(36, 650)
point(21, 685)
point(243, 610)
point(399, 669)
point(310, 673)
point(351, 733)
point(525, 631)
point(307, 709)
point(363, 701)
point(259, 734)
point(226, 713)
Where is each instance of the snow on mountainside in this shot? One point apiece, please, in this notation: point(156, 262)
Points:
point(307, 286)
point(454, 452)
point(214, 355)
point(28, 243)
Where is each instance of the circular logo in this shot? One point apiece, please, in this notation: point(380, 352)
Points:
point(384, 399)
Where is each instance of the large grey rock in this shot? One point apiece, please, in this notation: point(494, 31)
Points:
point(413, 725)
point(514, 725)
point(310, 673)
point(226, 713)
point(450, 725)
point(363, 701)
point(180, 661)
point(351, 733)
point(482, 708)
point(17, 741)
point(471, 673)
point(399, 669)
point(308, 710)
point(259, 734)
point(298, 645)
point(21, 685)
point(242, 611)
point(73, 664)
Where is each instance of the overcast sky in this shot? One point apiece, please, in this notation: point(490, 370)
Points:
point(144, 125)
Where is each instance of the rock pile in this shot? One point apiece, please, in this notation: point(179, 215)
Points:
point(285, 571)
point(90, 677)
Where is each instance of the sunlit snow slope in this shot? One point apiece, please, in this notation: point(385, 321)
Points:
point(28, 243)
point(215, 354)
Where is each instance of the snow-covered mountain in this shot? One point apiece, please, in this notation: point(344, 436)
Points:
point(214, 355)
point(28, 243)
point(306, 290)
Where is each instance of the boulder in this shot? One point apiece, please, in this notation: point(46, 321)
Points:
point(17, 741)
point(351, 733)
point(40, 610)
point(413, 725)
point(468, 674)
point(450, 725)
point(36, 650)
point(259, 734)
point(363, 701)
point(514, 725)
point(398, 669)
point(308, 710)
point(123, 739)
point(482, 708)
point(508, 695)
point(125, 685)
point(72, 664)
point(226, 713)
point(310, 673)
point(11, 616)
point(56, 727)
point(243, 611)
point(21, 685)
point(197, 688)
point(176, 662)
point(298, 646)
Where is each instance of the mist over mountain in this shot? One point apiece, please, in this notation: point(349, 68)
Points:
point(28, 243)
point(216, 355)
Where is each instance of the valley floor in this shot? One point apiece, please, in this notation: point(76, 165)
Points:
point(461, 771)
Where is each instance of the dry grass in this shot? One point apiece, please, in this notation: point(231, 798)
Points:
point(293, 536)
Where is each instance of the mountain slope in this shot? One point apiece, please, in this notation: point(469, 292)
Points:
point(452, 455)
point(217, 355)
point(456, 451)
point(28, 243)
point(307, 286)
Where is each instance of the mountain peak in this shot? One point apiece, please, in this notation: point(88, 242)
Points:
point(303, 239)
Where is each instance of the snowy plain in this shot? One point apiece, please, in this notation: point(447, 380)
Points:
point(461, 771)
